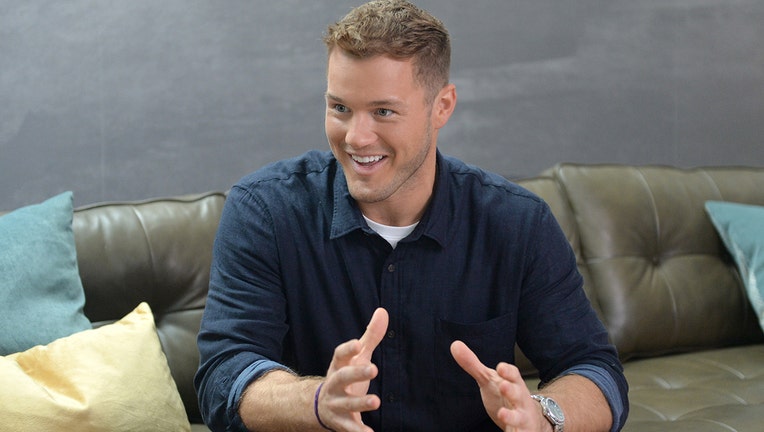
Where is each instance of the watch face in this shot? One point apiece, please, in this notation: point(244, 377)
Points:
point(555, 410)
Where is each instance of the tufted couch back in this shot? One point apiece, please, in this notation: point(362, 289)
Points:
point(654, 267)
point(158, 251)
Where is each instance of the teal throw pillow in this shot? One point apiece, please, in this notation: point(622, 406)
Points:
point(741, 227)
point(41, 294)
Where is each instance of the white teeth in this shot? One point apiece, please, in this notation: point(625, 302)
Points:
point(366, 159)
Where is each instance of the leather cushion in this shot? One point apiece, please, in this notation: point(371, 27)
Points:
point(157, 251)
point(659, 272)
point(717, 390)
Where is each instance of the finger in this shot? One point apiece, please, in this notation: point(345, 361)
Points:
point(375, 332)
point(513, 388)
point(470, 362)
point(341, 402)
point(344, 353)
point(507, 416)
point(349, 375)
point(352, 424)
point(516, 419)
point(355, 404)
point(509, 372)
point(343, 411)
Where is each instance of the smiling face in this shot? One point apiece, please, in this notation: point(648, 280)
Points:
point(383, 130)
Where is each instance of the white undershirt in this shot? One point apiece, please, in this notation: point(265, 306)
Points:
point(393, 234)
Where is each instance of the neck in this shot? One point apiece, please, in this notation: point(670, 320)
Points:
point(389, 214)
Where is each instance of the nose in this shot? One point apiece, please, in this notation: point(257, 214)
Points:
point(360, 131)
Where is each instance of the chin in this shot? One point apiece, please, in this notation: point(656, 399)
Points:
point(364, 193)
point(360, 194)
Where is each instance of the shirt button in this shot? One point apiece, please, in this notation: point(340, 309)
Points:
point(391, 268)
point(391, 334)
point(391, 397)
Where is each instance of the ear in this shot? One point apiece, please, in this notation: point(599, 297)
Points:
point(443, 106)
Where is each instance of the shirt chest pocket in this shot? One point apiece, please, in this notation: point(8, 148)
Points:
point(493, 341)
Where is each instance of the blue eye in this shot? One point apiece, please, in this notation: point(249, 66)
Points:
point(341, 108)
point(384, 112)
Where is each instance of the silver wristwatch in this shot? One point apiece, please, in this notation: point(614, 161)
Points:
point(552, 412)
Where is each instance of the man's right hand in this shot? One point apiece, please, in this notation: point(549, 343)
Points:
point(282, 401)
point(344, 395)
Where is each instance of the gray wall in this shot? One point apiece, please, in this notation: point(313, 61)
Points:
point(134, 99)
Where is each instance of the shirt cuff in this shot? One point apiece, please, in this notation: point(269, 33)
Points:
point(607, 385)
point(248, 375)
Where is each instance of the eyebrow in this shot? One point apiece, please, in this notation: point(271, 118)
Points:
point(376, 103)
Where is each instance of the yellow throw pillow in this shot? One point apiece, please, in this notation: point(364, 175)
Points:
point(113, 378)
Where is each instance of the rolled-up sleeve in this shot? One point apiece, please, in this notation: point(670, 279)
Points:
point(240, 338)
point(560, 331)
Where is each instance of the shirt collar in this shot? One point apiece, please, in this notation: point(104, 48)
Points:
point(347, 217)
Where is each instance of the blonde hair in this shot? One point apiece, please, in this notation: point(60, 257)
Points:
point(398, 29)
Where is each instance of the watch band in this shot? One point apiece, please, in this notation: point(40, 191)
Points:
point(552, 412)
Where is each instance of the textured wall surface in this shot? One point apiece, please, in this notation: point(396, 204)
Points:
point(133, 99)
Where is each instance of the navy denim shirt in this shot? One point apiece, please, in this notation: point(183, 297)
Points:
point(296, 271)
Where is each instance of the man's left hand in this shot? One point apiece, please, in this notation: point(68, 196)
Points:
point(506, 398)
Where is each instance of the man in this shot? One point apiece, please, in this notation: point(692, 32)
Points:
point(437, 268)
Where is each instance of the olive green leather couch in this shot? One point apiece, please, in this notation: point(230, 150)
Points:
point(654, 269)
point(666, 288)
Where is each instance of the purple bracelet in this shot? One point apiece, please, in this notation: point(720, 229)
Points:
point(315, 408)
